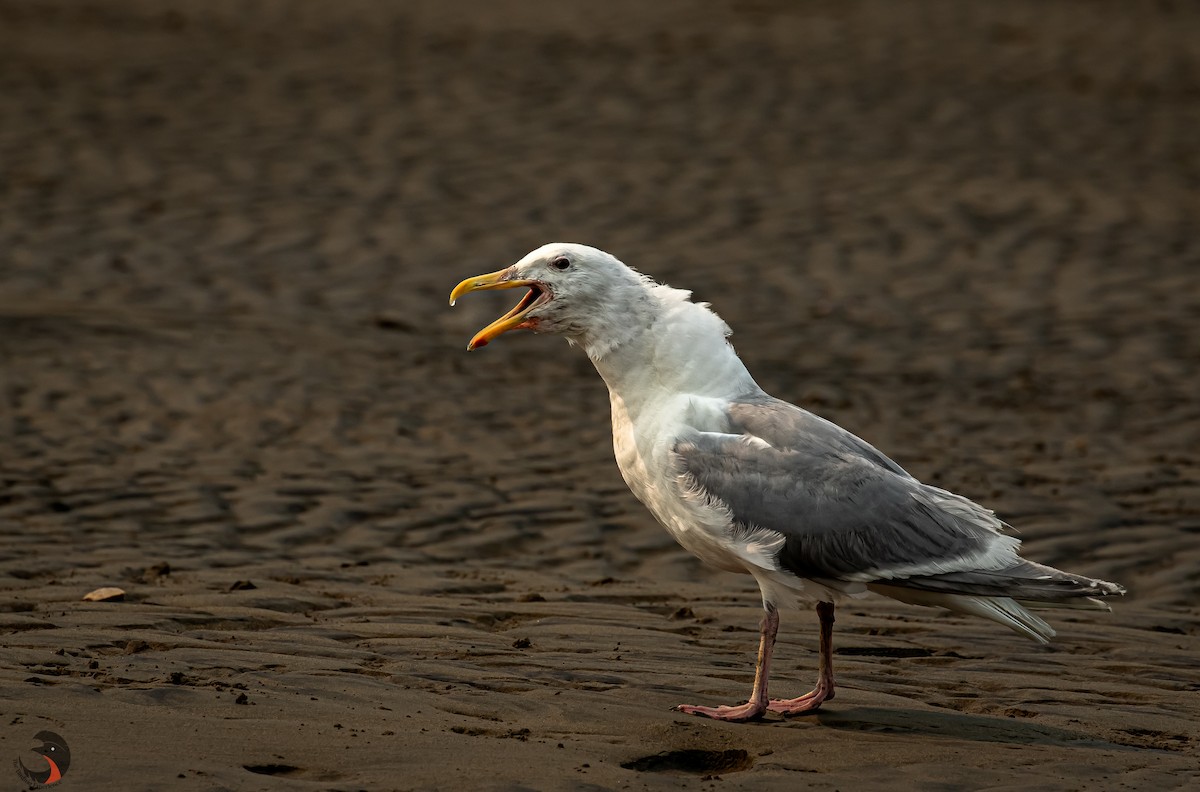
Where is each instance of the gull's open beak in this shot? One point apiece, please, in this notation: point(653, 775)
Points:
point(515, 318)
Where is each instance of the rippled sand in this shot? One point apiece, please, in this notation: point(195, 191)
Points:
point(357, 557)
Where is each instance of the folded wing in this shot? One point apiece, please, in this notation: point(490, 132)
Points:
point(848, 513)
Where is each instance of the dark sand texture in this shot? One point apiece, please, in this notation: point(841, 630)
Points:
point(357, 557)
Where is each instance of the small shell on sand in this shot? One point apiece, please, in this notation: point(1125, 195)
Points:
point(106, 594)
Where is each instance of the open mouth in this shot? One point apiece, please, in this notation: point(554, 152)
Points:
point(516, 318)
point(534, 297)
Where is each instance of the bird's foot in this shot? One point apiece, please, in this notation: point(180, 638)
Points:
point(809, 702)
point(743, 712)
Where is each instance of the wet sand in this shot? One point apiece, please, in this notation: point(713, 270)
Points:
point(357, 557)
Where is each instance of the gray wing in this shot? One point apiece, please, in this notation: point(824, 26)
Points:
point(786, 426)
point(846, 511)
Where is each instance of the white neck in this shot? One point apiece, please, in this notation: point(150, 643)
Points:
point(672, 347)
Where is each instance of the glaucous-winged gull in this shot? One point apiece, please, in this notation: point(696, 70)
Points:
point(752, 484)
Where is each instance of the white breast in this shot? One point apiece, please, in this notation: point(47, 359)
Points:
point(645, 457)
point(664, 384)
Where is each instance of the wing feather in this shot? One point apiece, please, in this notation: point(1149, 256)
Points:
point(846, 512)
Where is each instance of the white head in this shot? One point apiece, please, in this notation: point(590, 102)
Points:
point(575, 291)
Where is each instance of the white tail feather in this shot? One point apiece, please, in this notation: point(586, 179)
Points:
point(1002, 610)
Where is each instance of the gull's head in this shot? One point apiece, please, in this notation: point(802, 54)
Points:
point(573, 290)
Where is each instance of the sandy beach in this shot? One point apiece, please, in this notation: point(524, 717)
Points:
point(357, 557)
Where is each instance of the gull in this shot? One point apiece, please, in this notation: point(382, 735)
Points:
point(752, 484)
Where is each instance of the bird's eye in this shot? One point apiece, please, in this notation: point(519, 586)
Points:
point(561, 263)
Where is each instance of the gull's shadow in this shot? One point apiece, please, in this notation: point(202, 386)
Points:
point(957, 726)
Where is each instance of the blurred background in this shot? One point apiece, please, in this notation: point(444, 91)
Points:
point(230, 382)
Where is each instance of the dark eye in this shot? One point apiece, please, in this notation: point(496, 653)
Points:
point(561, 263)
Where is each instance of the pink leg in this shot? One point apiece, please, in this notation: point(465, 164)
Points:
point(757, 705)
point(824, 690)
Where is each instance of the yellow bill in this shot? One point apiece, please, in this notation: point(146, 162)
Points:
point(503, 279)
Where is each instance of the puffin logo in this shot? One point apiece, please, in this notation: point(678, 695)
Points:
point(57, 755)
